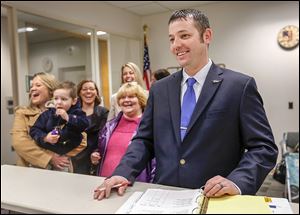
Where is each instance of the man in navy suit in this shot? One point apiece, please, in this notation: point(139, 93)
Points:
point(228, 145)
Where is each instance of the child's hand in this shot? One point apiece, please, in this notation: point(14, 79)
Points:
point(61, 112)
point(95, 157)
point(51, 138)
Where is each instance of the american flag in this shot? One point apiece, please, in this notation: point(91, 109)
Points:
point(147, 71)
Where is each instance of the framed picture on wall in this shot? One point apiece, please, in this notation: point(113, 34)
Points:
point(28, 80)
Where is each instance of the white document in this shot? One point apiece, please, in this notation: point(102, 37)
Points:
point(158, 201)
point(127, 206)
point(280, 206)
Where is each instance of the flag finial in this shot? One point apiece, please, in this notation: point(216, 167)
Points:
point(145, 28)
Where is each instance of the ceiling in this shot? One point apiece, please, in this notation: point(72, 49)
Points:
point(145, 8)
point(52, 30)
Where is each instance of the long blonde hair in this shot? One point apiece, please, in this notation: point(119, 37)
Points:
point(137, 73)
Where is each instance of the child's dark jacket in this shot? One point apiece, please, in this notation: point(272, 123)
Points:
point(70, 132)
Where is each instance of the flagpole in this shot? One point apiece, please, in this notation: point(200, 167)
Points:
point(145, 28)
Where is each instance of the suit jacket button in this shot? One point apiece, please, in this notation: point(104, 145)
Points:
point(182, 161)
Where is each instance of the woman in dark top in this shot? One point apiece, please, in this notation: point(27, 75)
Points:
point(90, 100)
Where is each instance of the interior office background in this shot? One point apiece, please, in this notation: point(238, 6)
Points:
point(244, 39)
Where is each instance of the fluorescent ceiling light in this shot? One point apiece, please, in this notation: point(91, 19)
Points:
point(26, 29)
point(98, 33)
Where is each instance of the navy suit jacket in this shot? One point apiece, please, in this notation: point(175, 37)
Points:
point(228, 135)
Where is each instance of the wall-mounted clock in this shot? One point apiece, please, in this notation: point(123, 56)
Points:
point(47, 64)
point(288, 37)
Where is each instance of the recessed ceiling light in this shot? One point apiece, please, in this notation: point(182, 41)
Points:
point(101, 32)
point(26, 29)
point(98, 33)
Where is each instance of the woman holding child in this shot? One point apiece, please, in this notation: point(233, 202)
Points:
point(29, 153)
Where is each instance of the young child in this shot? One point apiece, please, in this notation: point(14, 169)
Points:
point(59, 129)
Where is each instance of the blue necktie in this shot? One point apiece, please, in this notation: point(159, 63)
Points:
point(188, 105)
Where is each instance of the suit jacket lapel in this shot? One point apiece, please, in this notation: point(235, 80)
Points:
point(212, 82)
point(174, 87)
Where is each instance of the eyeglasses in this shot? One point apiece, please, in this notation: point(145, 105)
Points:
point(86, 89)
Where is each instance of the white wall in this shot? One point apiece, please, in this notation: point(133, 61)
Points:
point(123, 50)
point(7, 157)
point(58, 52)
point(245, 40)
point(23, 68)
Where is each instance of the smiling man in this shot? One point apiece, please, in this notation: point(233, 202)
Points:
point(205, 125)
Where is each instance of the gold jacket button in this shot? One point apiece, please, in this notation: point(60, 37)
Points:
point(182, 161)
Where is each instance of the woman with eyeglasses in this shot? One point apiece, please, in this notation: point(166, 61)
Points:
point(90, 100)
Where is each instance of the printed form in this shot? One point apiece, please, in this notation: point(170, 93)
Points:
point(158, 201)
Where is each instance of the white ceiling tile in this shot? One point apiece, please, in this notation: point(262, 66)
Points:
point(144, 8)
point(147, 9)
point(127, 4)
point(174, 5)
